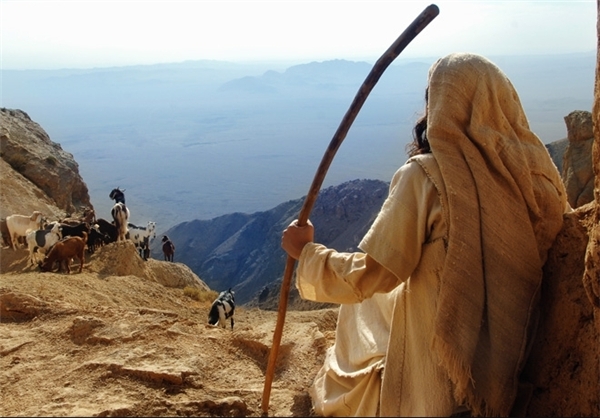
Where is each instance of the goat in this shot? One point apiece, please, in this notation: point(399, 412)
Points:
point(89, 216)
point(107, 228)
point(222, 308)
point(117, 195)
point(42, 240)
point(96, 239)
point(141, 236)
point(146, 249)
point(120, 215)
point(20, 225)
point(168, 248)
point(70, 230)
point(49, 225)
point(70, 221)
point(64, 251)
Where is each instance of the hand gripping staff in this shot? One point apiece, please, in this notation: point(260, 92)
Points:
point(380, 66)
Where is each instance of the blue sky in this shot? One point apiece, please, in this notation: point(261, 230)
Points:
point(52, 34)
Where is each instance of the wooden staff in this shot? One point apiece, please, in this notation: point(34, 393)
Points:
point(380, 66)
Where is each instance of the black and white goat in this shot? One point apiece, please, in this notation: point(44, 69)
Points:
point(120, 213)
point(117, 195)
point(222, 309)
point(41, 240)
point(141, 236)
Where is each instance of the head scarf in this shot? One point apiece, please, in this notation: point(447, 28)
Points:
point(489, 158)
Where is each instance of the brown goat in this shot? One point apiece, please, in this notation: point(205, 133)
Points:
point(65, 250)
point(168, 248)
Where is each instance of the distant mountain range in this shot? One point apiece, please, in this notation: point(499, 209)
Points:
point(198, 140)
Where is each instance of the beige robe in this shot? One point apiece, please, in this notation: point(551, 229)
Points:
point(412, 227)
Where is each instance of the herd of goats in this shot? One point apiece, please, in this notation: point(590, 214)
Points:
point(61, 241)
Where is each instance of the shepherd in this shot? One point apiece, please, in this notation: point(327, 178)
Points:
point(439, 306)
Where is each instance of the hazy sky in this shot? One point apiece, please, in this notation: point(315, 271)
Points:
point(50, 34)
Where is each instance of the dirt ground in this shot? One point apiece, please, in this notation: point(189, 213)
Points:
point(123, 338)
point(114, 341)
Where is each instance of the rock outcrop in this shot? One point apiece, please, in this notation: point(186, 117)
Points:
point(591, 276)
point(577, 170)
point(41, 167)
point(564, 365)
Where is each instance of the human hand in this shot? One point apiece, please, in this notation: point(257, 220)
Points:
point(295, 237)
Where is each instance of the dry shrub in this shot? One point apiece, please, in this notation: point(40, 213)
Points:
point(199, 294)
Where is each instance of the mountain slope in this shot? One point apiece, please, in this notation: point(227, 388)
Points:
point(243, 251)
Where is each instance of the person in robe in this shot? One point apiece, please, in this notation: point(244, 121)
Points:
point(439, 307)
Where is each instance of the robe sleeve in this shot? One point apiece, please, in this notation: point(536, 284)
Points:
point(392, 247)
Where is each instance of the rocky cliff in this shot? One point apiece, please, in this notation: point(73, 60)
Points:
point(36, 173)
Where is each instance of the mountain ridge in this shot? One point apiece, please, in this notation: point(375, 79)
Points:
point(208, 152)
point(243, 252)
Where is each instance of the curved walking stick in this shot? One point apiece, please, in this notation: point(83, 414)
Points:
point(380, 66)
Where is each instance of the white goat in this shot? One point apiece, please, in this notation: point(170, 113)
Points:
point(20, 225)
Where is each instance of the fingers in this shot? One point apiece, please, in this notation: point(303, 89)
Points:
point(295, 237)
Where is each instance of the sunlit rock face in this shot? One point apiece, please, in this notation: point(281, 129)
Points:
point(577, 170)
point(37, 166)
point(564, 364)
